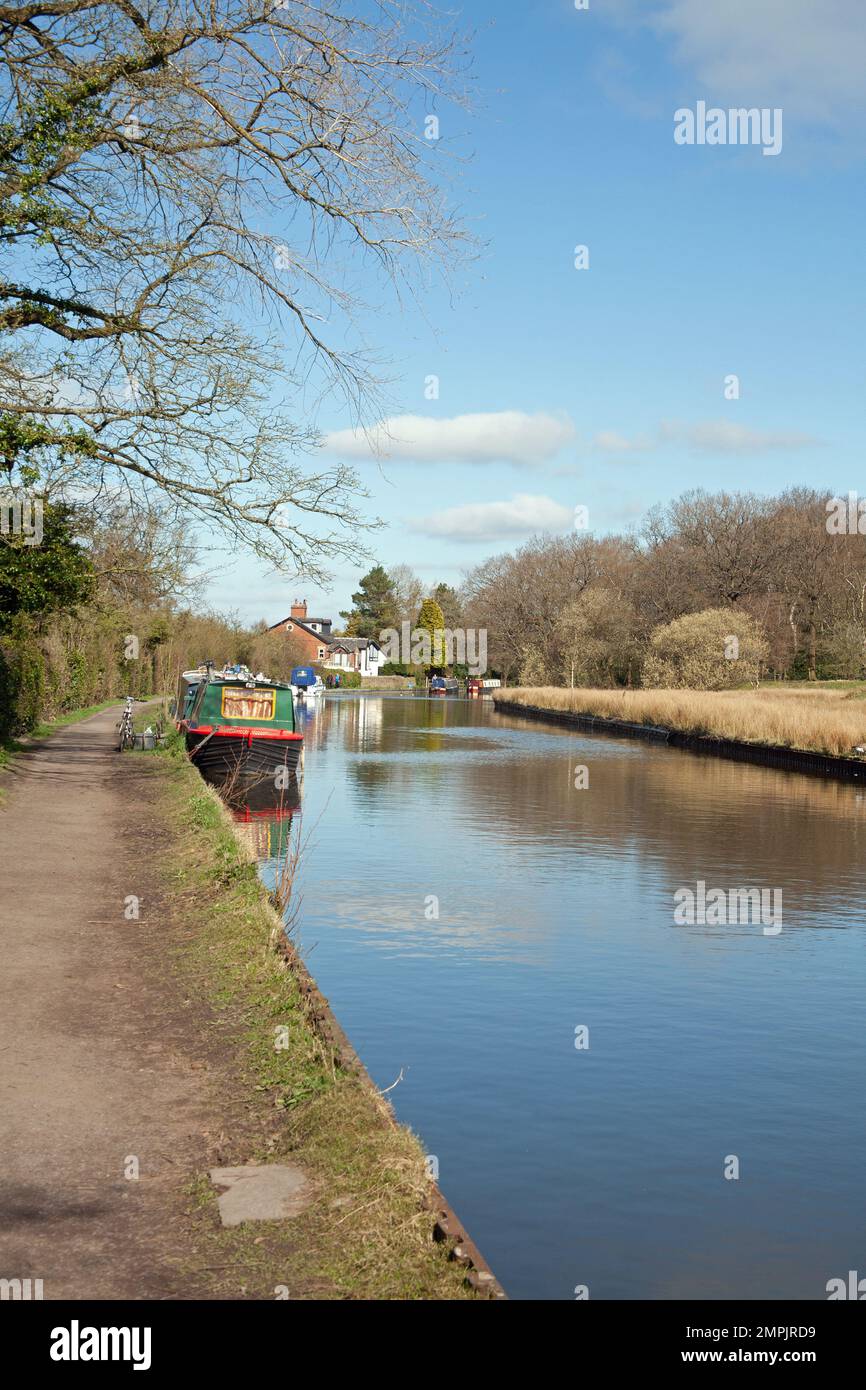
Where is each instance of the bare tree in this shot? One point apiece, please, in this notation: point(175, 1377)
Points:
point(408, 592)
point(172, 173)
point(518, 598)
point(810, 567)
point(731, 537)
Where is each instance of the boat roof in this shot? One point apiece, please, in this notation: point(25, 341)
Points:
point(246, 679)
point(248, 682)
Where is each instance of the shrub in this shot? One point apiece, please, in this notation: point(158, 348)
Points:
point(713, 650)
point(22, 682)
point(533, 667)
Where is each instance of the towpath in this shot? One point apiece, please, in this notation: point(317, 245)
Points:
point(101, 1066)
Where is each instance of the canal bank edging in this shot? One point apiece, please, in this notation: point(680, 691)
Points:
point(763, 754)
point(446, 1227)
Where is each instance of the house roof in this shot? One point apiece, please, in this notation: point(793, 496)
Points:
point(328, 639)
point(298, 622)
point(353, 644)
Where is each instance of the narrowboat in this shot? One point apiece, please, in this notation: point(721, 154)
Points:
point(444, 685)
point(237, 723)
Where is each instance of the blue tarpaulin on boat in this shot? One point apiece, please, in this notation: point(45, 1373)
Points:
point(303, 676)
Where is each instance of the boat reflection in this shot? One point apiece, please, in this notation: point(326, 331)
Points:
point(262, 811)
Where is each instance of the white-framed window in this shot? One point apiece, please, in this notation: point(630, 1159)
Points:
point(321, 656)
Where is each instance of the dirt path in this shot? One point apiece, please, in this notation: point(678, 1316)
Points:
point(122, 1087)
point(100, 1055)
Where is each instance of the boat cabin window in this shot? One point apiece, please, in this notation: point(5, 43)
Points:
point(248, 704)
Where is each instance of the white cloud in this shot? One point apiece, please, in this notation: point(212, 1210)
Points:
point(610, 442)
point(799, 53)
point(807, 56)
point(704, 436)
point(506, 436)
point(523, 515)
point(727, 437)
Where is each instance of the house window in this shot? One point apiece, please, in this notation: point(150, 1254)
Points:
point(321, 654)
point(290, 627)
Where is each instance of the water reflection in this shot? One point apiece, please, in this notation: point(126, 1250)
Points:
point(263, 809)
point(466, 908)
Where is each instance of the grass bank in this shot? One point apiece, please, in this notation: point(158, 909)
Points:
point(815, 719)
point(368, 1233)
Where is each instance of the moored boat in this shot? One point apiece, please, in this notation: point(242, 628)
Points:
point(444, 685)
point(236, 723)
point(305, 682)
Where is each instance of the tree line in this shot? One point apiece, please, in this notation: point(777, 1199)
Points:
point(584, 608)
point(782, 573)
point(785, 575)
point(655, 606)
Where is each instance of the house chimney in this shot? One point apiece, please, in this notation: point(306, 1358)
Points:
point(299, 609)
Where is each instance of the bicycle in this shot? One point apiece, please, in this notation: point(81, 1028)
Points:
point(126, 738)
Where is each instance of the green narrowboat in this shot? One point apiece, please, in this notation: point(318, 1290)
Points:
point(237, 723)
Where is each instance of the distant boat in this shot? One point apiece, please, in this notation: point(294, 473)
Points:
point(235, 722)
point(444, 685)
point(304, 681)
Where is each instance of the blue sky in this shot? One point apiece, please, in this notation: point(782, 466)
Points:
point(605, 387)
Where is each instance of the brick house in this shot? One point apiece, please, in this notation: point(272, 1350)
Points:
point(322, 647)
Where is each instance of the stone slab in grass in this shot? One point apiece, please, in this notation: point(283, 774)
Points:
point(261, 1192)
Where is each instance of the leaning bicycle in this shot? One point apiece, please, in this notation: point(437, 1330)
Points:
point(126, 733)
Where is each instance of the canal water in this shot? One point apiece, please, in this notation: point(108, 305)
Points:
point(615, 1102)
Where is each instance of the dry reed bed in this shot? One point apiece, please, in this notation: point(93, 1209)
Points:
point(823, 721)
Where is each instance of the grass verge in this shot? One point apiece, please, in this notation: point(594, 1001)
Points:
point(367, 1234)
point(820, 719)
